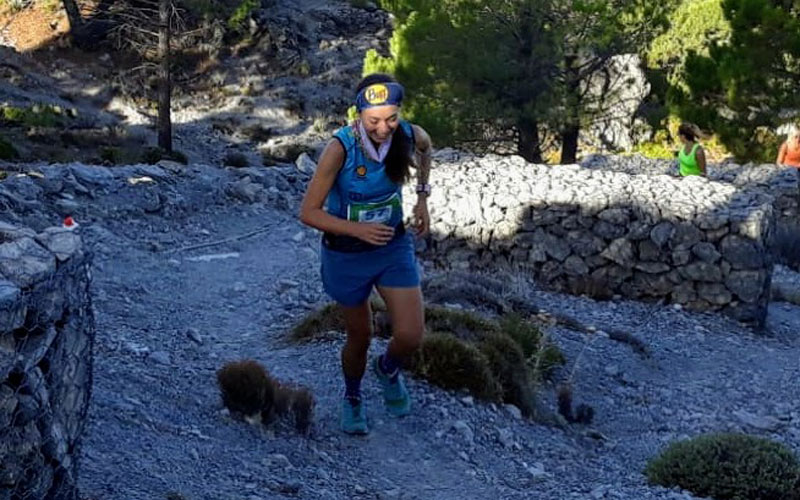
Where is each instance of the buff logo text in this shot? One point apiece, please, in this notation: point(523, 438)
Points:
point(377, 94)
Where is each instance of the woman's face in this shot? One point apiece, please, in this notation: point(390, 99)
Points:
point(380, 122)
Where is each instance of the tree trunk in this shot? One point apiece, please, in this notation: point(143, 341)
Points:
point(528, 145)
point(569, 144)
point(73, 15)
point(572, 127)
point(164, 78)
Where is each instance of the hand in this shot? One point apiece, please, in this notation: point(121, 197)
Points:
point(422, 219)
point(375, 234)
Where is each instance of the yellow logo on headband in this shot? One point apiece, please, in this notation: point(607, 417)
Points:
point(376, 94)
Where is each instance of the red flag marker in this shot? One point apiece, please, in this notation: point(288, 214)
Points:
point(69, 222)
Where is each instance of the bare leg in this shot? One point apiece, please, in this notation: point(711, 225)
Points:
point(408, 320)
point(358, 323)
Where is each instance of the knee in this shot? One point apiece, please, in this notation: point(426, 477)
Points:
point(359, 339)
point(410, 338)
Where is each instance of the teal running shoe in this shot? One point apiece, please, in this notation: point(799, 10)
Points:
point(395, 394)
point(354, 417)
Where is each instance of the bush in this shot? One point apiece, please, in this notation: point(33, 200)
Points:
point(111, 155)
point(509, 366)
point(318, 322)
point(34, 116)
point(450, 363)
point(785, 244)
point(242, 13)
point(7, 150)
point(236, 160)
point(154, 155)
point(728, 466)
point(463, 324)
point(541, 355)
point(493, 360)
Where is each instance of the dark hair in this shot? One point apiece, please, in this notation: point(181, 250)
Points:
point(398, 159)
point(689, 131)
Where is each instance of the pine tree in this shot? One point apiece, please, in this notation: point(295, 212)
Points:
point(748, 85)
point(510, 75)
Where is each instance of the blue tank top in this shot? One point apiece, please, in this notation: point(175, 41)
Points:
point(363, 192)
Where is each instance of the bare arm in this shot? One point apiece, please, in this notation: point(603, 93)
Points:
point(312, 212)
point(701, 159)
point(423, 152)
point(781, 154)
point(422, 219)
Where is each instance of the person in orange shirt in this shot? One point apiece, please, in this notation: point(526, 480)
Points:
point(789, 154)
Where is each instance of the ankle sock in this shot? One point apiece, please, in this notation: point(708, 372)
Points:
point(352, 389)
point(389, 365)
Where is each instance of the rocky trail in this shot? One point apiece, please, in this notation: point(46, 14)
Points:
point(205, 266)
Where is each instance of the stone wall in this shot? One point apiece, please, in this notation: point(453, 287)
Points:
point(778, 182)
point(46, 338)
point(688, 241)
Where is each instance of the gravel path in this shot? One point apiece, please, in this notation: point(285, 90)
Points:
point(168, 319)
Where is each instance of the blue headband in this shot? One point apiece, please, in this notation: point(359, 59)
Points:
point(380, 94)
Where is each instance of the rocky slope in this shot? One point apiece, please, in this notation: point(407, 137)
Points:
point(196, 267)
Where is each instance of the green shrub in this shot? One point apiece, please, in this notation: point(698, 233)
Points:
point(236, 160)
point(154, 155)
point(463, 324)
point(318, 322)
point(509, 366)
point(111, 155)
point(728, 467)
point(237, 20)
point(450, 363)
point(34, 116)
point(541, 355)
point(493, 360)
point(7, 150)
point(655, 150)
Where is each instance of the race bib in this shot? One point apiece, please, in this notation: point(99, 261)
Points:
point(382, 212)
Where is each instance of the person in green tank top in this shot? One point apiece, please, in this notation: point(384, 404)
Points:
point(691, 157)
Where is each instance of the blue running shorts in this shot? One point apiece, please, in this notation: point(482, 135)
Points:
point(348, 277)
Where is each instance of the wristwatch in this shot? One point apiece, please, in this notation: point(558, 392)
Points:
point(424, 188)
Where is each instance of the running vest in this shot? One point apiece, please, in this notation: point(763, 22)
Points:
point(363, 191)
point(688, 162)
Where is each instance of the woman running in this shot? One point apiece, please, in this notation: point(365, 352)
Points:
point(355, 198)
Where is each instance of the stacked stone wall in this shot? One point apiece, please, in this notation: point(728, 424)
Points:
point(695, 242)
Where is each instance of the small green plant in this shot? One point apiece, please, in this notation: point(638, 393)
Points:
point(111, 155)
point(34, 116)
point(14, 5)
point(509, 365)
point(318, 323)
point(494, 360)
point(541, 355)
point(463, 324)
point(7, 150)
point(655, 150)
point(239, 17)
point(236, 160)
point(451, 363)
point(319, 125)
point(728, 467)
point(207, 9)
point(154, 155)
point(52, 6)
